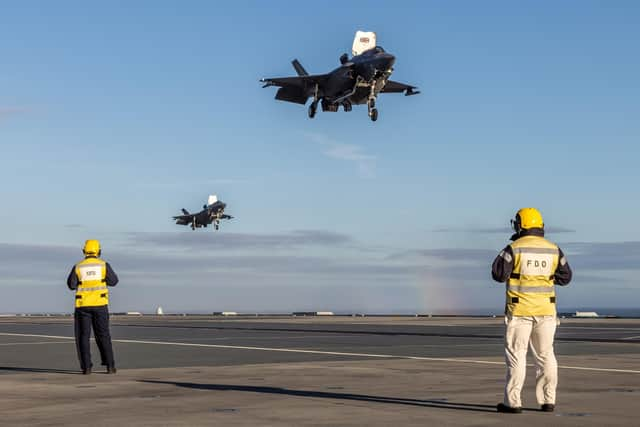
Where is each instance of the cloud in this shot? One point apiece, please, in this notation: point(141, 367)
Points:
point(191, 264)
point(188, 252)
point(228, 241)
point(496, 230)
point(594, 256)
point(192, 279)
point(310, 269)
point(36, 254)
point(366, 163)
point(41, 261)
point(448, 254)
point(10, 111)
point(590, 257)
point(258, 266)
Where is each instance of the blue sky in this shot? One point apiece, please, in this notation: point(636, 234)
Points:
point(114, 116)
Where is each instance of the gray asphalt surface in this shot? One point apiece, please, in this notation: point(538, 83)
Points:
point(435, 337)
point(334, 371)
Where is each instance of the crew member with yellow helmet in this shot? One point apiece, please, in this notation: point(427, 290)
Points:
point(90, 278)
point(530, 267)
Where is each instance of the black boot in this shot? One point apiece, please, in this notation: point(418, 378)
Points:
point(111, 369)
point(547, 407)
point(501, 407)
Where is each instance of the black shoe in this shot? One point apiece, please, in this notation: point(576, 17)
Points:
point(501, 407)
point(86, 371)
point(111, 370)
point(548, 407)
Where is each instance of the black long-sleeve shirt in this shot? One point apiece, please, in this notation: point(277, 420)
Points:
point(502, 266)
point(111, 278)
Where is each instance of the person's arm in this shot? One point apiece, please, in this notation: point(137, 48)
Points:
point(502, 265)
point(111, 277)
point(72, 279)
point(563, 273)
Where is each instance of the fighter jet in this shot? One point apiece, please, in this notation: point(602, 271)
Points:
point(211, 213)
point(358, 80)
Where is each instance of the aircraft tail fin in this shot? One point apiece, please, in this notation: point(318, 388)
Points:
point(363, 41)
point(299, 68)
point(186, 212)
point(212, 199)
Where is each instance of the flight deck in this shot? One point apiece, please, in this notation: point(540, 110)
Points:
point(309, 370)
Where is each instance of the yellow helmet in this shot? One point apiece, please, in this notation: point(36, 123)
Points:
point(91, 247)
point(527, 218)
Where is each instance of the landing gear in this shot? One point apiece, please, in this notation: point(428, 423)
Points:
point(347, 106)
point(216, 225)
point(373, 111)
point(329, 106)
point(371, 103)
point(313, 108)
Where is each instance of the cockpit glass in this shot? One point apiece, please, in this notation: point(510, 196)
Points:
point(379, 49)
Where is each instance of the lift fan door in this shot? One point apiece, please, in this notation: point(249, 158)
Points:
point(363, 41)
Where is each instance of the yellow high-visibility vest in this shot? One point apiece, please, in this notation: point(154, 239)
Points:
point(92, 286)
point(530, 288)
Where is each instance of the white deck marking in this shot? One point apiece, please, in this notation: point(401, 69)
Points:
point(258, 338)
point(632, 338)
point(329, 353)
point(563, 326)
point(9, 334)
point(35, 343)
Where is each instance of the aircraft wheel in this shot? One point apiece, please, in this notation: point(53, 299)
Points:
point(372, 103)
point(374, 115)
point(312, 110)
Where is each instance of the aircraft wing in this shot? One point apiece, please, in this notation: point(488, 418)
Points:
point(184, 217)
point(296, 81)
point(395, 87)
point(296, 89)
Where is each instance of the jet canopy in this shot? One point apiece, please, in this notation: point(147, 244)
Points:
point(373, 51)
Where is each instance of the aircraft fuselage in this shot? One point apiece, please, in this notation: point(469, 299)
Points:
point(358, 80)
point(209, 214)
point(352, 82)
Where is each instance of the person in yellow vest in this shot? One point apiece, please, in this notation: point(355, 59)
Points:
point(530, 267)
point(89, 279)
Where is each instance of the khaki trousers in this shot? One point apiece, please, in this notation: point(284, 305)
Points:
point(537, 333)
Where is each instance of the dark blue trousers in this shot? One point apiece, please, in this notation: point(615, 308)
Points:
point(98, 318)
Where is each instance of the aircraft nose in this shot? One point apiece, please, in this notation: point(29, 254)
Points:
point(389, 59)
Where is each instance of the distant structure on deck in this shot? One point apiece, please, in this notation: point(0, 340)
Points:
point(586, 314)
